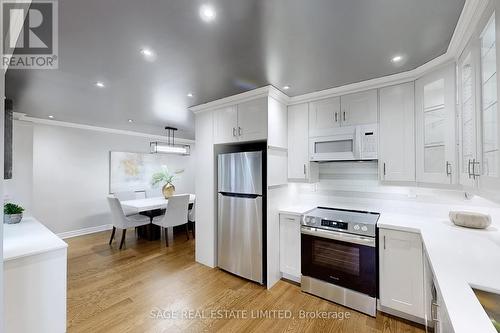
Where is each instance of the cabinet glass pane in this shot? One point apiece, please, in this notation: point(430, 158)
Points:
point(435, 122)
point(490, 128)
point(434, 94)
point(490, 91)
point(434, 161)
point(488, 35)
point(490, 164)
point(489, 100)
point(467, 113)
point(489, 63)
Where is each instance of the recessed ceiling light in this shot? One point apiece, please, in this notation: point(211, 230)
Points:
point(190, 95)
point(51, 117)
point(99, 84)
point(130, 120)
point(207, 13)
point(147, 52)
point(397, 58)
point(286, 87)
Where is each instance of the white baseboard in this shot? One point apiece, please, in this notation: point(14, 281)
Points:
point(84, 231)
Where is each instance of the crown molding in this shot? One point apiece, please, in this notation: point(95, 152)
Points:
point(23, 117)
point(266, 91)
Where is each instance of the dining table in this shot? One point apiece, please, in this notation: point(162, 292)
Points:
point(152, 207)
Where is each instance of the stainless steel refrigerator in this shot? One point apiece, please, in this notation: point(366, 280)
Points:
point(240, 214)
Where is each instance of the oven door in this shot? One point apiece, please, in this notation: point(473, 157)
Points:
point(339, 258)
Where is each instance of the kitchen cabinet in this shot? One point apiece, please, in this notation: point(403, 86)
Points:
point(350, 110)
point(489, 169)
point(401, 272)
point(359, 108)
point(397, 143)
point(277, 135)
point(435, 127)
point(290, 247)
point(299, 166)
point(324, 115)
point(225, 124)
point(252, 120)
point(246, 121)
point(468, 77)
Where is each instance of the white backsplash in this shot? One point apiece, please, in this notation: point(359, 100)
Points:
point(355, 185)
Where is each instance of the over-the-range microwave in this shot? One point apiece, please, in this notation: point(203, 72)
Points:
point(351, 143)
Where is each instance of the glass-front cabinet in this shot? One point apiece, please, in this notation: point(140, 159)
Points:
point(468, 78)
point(435, 115)
point(490, 135)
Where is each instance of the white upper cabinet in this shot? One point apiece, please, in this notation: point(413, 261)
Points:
point(359, 108)
point(397, 133)
point(490, 120)
point(468, 78)
point(226, 125)
point(324, 115)
point(243, 122)
point(435, 127)
point(252, 120)
point(299, 166)
point(350, 110)
point(277, 120)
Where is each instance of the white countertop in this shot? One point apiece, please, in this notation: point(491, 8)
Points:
point(29, 237)
point(459, 257)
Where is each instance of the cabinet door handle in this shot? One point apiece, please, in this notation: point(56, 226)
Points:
point(336, 116)
point(384, 242)
point(239, 131)
point(469, 169)
point(304, 169)
point(234, 131)
point(474, 163)
point(343, 115)
point(384, 170)
point(448, 168)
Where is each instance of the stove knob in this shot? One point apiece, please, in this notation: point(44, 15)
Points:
point(356, 227)
point(364, 228)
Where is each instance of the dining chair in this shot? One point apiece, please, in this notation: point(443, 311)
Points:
point(176, 214)
point(121, 221)
point(124, 196)
point(192, 216)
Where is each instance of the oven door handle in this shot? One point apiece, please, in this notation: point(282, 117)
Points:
point(340, 236)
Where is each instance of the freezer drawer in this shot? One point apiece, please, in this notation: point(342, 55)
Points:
point(240, 236)
point(240, 173)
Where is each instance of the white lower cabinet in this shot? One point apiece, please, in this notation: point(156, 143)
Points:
point(401, 273)
point(290, 246)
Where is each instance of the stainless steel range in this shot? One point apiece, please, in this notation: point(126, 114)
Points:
point(339, 257)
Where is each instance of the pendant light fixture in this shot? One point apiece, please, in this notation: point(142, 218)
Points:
point(169, 147)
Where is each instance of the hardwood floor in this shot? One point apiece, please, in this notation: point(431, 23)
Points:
point(140, 288)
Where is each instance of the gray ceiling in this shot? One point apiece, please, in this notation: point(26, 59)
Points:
point(308, 44)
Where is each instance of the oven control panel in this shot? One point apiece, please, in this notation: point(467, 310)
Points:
point(342, 221)
point(334, 224)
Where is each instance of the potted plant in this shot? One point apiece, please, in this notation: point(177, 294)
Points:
point(166, 178)
point(12, 213)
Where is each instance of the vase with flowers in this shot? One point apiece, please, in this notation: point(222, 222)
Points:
point(166, 178)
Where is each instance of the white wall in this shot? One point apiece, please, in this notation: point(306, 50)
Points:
point(70, 173)
point(19, 189)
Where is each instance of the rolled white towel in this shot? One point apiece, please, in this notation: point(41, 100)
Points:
point(470, 219)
